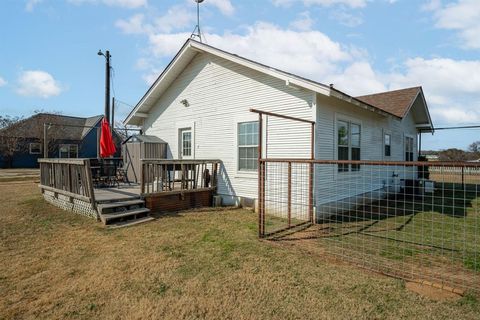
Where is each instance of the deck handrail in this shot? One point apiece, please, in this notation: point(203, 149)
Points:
point(69, 177)
point(184, 161)
point(170, 176)
point(456, 164)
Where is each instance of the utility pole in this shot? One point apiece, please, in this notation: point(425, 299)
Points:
point(107, 82)
point(45, 142)
point(112, 124)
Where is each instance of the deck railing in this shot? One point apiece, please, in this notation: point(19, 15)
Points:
point(178, 176)
point(69, 177)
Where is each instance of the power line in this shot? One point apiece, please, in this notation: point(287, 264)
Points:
point(122, 102)
point(452, 128)
point(112, 76)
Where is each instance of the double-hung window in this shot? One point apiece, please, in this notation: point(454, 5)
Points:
point(388, 144)
point(187, 143)
point(35, 148)
point(408, 148)
point(68, 151)
point(348, 142)
point(248, 146)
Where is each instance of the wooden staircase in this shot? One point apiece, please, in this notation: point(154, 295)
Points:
point(123, 213)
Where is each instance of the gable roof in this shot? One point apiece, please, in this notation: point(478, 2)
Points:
point(67, 127)
point(400, 102)
point(396, 102)
point(191, 48)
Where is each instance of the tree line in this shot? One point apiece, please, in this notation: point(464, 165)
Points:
point(455, 154)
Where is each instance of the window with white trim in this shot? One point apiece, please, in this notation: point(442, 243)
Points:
point(187, 143)
point(68, 151)
point(348, 144)
point(408, 148)
point(248, 146)
point(387, 141)
point(35, 148)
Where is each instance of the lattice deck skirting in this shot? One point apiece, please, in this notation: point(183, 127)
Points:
point(70, 204)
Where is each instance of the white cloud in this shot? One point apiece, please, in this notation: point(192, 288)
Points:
point(347, 19)
point(307, 53)
point(441, 75)
point(133, 25)
point(225, 6)
point(176, 17)
point(3, 82)
point(130, 4)
point(462, 16)
point(432, 5)
point(357, 79)
point(303, 23)
point(30, 5)
point(452, 87)
point(455, 115)
point(349, 3)
point(37, 83)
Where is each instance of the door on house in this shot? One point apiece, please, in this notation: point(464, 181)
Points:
point(185, 143)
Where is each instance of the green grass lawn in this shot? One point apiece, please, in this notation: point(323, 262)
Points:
point(206, 264)
point(435, 237)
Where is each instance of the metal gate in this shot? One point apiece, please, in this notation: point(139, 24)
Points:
point(419, 221)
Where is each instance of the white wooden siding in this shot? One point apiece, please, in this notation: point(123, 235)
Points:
point(332, 185)
point(220, 94)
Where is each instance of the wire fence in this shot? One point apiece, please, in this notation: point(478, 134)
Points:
point(414, 220)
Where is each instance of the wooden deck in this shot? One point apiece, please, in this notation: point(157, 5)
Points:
point(166, 186)
point(122, 193)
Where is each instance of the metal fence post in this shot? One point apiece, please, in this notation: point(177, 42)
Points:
point(310, 177)
point(289, 194)
point(261, 213)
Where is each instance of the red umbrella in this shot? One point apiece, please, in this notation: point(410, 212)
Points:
point(107, 147)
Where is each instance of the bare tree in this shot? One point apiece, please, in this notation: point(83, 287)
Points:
point(16, 133)
point(10, 143)
point(474, 147)
point(124, 131)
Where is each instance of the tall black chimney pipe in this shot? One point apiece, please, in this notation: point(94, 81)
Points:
point(107, 86)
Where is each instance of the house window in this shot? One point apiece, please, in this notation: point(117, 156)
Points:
point(349, 137)
point(408, 149)
point(68, 151)
point(388, 144)
point(248, 146)
point(35, 148)
point(187, 143)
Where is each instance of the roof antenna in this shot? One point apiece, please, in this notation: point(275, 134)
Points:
point(196, 32)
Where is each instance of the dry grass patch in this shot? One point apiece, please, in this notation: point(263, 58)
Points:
point(202, 264)
point(9, 175)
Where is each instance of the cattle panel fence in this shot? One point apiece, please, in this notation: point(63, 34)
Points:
point(415, 220)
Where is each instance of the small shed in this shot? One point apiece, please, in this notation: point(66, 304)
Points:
point(138, 147)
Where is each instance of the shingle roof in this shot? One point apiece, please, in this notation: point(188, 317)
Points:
point(65, 127)
point(396, 102)
point(90, 122)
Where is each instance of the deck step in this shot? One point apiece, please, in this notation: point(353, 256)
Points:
point(131, 215)
point(119, 199)
point(114, 206)
point(129, 223)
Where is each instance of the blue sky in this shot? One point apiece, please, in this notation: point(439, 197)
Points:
point(48, 54)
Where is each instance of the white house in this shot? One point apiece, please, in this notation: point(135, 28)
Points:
point(200, 106)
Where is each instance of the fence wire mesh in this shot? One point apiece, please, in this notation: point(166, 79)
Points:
point(414, 220)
